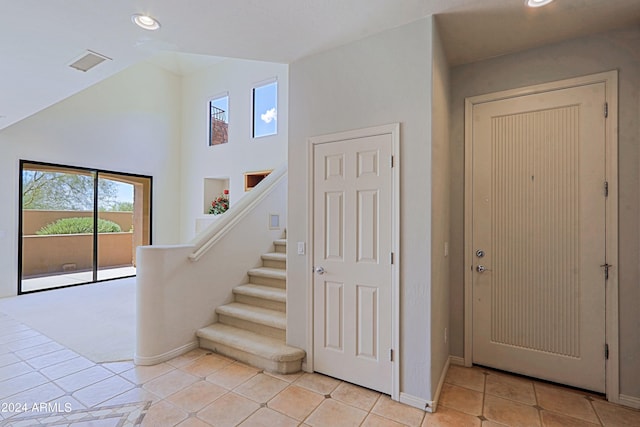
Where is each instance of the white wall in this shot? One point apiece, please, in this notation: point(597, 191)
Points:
point(588, 55)
point(127, 123)
point(440, 230)
point(242, 153)
point(382, 79)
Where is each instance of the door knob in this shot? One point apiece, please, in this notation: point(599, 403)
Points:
point(481, 269)
point(319, 270)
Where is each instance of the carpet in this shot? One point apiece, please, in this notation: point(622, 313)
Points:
point(96, 321)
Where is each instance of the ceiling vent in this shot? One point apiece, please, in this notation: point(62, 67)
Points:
point(88, 61)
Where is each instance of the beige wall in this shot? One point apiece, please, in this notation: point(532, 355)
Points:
point(48, 254)
point(382, 79)
point(440, 228)
point(34, 220)
point(615, 50)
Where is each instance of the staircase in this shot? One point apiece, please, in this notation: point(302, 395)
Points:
point(252, 329)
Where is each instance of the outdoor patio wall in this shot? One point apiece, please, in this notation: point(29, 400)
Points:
point(34, 220)
point(177, 296)
point(127, 123)
point(49, 254)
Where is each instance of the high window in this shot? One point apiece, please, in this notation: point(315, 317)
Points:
point(265, 109)
point(219, 120)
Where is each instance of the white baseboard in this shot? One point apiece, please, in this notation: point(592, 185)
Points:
point(456, 360)
point(631, 401)
point(434, 403)
point(414, 401)
point(154, 360)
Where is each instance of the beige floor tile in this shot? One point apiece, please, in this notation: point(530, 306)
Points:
point(193, 422)
point(265, 417)
point(84, 378)
point(510, 413)
point(206, 365)
point(27, 343)
point(472, 378)
point(318, 383)
point(8, 359)
point(446, 417)
point(374, 420)
point(39, 350)
point(134, 395)
point(232, 375)
point(163, 414)
point(510, 387)
point(189, 357)
point(42, 393)
point(487, 423)
point(52, 358)
point(229, 410)
point(355, 396)
point(397, 411)
point(19, 384)
point(335, 414)
point(461, 399)
point(551, 419)
point(616, 415)
point(119, 367)
point(296, 402)
point(285, 377)
point(563, 401)
point(14, 370)
point(67, 367)
point(261, 388)
point(142, 374)
point(170, 383)
point(102, 391)
point(197, 396)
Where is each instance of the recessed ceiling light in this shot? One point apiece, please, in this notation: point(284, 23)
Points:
point(538, 3)
point(145, 21)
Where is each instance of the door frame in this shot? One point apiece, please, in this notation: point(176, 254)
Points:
point(610, 79)
point(392, 129)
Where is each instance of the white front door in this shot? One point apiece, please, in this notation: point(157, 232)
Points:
point(539, 221)
point(352, 285)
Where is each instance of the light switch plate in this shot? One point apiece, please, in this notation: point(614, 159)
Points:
point(300, 248)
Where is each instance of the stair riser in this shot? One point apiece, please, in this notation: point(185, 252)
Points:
point(282, 249)
point(252, 359)
point(253, 327)
point(268, 281)
point(260, 302)
point(274, 264)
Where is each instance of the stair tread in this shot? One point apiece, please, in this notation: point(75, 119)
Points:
point(263, 316)
point(261, 291)
point(266, 347)
point(275, 273)
point(280, 242)
point(275, 256)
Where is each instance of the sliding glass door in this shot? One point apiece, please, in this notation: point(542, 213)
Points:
point(79, 225)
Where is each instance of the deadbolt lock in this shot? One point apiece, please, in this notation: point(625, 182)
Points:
point(479, 253)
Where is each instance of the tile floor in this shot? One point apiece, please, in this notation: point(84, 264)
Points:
point(43, 383)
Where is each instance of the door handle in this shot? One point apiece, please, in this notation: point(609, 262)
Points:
point(319, 270)
point(481, 269)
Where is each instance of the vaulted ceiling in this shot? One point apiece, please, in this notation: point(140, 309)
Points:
point(39, 39)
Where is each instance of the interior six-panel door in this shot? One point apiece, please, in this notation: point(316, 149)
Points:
point(352, 248)
point(539, 235)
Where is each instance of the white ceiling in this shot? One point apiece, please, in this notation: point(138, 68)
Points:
point(38, 39)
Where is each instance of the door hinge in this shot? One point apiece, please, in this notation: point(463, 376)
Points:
point(606, 189)
point(606, 110)
point(391, 161)
point(390, 355)
point(606, 351)
point(606, 267)
point(391, 257)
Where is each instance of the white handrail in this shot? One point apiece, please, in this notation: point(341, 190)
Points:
point(205, 240)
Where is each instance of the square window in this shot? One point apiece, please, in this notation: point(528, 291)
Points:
point(265, 109)
point(219, 120)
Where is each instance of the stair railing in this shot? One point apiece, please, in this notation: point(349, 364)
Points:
point(210, 236)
